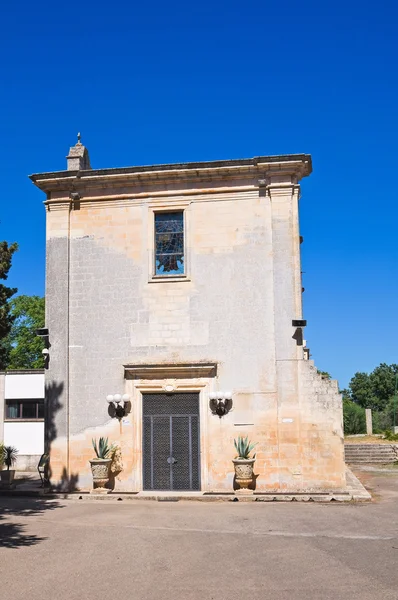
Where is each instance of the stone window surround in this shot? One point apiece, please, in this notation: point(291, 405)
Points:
point(156, 207)
point(162, 379)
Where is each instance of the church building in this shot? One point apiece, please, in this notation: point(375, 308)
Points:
point(175, 325)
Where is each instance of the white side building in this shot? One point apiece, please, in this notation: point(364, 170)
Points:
point(22, 415)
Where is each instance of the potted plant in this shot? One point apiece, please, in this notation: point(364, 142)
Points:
point(100, 465)
point(243, 463)
point(9, 456)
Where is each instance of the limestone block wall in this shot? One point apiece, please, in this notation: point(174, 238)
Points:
point(321, 428)
point(116, 317)
point(234, 309)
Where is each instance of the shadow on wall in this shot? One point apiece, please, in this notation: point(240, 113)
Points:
point(13, 534)
point(67, 483)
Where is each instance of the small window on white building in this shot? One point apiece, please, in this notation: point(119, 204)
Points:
point(24, 409)
point(169, 243)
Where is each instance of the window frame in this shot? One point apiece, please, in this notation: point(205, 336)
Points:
point(167, 208)
point(20, 402)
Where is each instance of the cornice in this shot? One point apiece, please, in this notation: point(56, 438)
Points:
point(155, 196)
point(297, 165)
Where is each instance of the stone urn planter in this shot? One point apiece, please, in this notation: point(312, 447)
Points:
point(7, 478)
point(9, 457)
point(243, 471)
point(100, 471)
point(243, 463)
point(100, 466)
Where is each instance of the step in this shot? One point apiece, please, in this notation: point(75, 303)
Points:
point(389, 451)
point(370, 462)
point(370, 453)
point(369, 449)
point(387, 459)
point(387, 456)
point(366, 452)
point(368, 456)
point(369, 445)
point(358, 453)
point(373, 457)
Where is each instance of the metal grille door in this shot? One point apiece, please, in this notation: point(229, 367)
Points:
point(171, 441)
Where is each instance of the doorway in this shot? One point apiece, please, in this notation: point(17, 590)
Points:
point(171, 441)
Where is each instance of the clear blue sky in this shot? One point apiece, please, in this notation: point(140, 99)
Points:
point(162, 82)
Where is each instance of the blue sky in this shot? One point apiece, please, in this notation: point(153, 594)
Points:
point(171, 82)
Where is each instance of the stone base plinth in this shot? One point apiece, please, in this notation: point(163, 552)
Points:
point(100, 491)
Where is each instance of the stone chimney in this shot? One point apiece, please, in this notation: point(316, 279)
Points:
point(78, 158)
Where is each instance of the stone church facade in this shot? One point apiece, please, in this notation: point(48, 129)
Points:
point(178, 288)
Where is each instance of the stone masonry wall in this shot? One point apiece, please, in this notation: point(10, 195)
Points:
point(234, 309)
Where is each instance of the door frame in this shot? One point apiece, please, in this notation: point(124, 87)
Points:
point(170, 417)
point(136, 387)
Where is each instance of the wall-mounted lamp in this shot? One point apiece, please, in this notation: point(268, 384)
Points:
point(220, 403)
point(44, 334)
point(118, 403)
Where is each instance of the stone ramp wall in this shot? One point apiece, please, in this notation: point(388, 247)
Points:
point(321, 426)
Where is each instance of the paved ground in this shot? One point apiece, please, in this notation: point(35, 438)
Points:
point(143, 550)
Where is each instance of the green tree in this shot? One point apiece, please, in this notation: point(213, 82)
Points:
point(361, 390)
point(374, 390)
point(382, 381)
point(354, 419)
point(25, 346)
point(346, 393)
point(6, 319)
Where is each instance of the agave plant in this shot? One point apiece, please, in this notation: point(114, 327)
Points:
point(244, 447)
point(9, 456)
point(103, 449)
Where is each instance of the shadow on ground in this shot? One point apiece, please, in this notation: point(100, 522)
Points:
point(13, 534)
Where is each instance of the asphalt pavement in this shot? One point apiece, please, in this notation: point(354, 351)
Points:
point(147, 550)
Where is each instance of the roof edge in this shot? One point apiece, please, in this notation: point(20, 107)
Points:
point(194, 166)
point(22, 372)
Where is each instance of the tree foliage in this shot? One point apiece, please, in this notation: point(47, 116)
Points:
point(324, 374)
point(354, 419)
point(376, 389)
point(6, 319)
point(25, 346)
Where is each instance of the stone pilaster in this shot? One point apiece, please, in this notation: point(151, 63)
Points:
point(57, 321)
point(286, 262)
point(284, 194)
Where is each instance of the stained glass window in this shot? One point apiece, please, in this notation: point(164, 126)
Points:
point(169, 243)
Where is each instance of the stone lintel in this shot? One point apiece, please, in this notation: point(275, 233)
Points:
point(184, 371)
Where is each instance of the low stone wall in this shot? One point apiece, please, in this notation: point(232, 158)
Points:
point(27, 462)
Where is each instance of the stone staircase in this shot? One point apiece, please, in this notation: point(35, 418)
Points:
point(356, 454)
